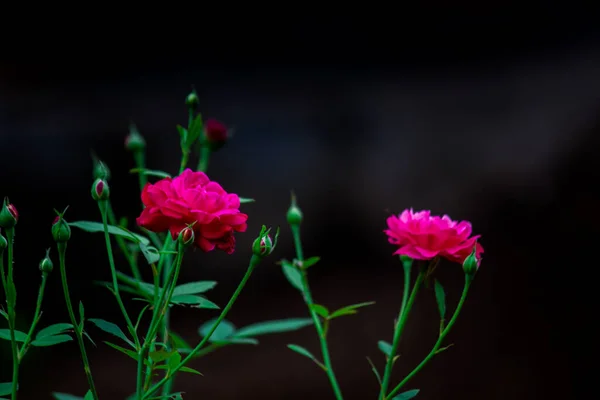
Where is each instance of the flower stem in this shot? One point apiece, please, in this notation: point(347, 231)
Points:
point(204, 158)
point(317, 322)
point(402, 318)
point(102, 204)
point(139, 158)
point(11, 300)
point(62, 248)
point(185, 156)
point(123, 246)
point(436, 347)
point(254, 261)
point(36, 316)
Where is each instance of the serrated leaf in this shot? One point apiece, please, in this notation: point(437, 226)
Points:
point(407, 395)
point(320, 310)
point(194, 287)
point(111, 328)
point(275, 326)
point(51, 340)
point(150, 172)
point(244, 200)
point(301, 350)
point(53, 330)
point(130, 353)
point(160, 355)
point(5, 388)
point(194, 301)
point(93, 227)
point(19, 336)
point(349, 310)
point(309, 262)
point(65, 396)
point(292, 274)
point(440, 298)
point(150, 253)
point(385, 347)
point(224, 330)
point(173, 360)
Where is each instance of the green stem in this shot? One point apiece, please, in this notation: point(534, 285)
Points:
point(402, 319)
point(11, 300)
point(317, 322)
point(123, 246)
point(436, 347)
point(254, 261)
point(62, 248)
point(140, 373)
point(139, 158)
point(102, 204)
point(184, 160)
point(36, 316)
point(204, 158)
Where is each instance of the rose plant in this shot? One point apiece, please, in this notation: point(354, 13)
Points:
point(191, 210)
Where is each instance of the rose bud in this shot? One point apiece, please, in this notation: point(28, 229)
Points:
point(294, 215)
point(61, 231)
point(215, 133)
point(192, 100)
point(471, 263)
point(186, 236)
point(46, 265)
point(8, 215)
point(100, 190)
point(134, 141)
point(264, 245)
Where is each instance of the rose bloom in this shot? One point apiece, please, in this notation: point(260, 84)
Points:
point(422, 236)
point(192, 198)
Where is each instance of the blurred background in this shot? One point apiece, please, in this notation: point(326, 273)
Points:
point(493, 120)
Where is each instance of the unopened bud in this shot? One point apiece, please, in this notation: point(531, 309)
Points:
point(192, 100)
point(264, 245)
point(100, 190)
point(186, 236)
point(61, 231)
point(471, 263)
point(101, 171)
point(134, 141)
point(294, 214)
point(8, 215)
point(46, 265)
point(215, 133)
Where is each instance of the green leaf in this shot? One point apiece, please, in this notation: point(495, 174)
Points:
point(236, 340)
point(194, 287)
point(88, 396)
point(301, 350)
point(385, 347)
point(349, 310)
point(150, 172)
point(150, 253)
point(182, 136)
point(194, 131)
point(5, 388)
point(275, 326)
point(19, 336)
point(130, 353)
point(93, 227)
point(65, 396)
point(4, 314)
point(406, 395)
point(111, 328)
point(172, 396)
point(182, 369)
point(320, 310)
point(224, 330)
point(440, 297)
point(81, 313)
point(309, 262)
point(194, 301)
point(53, 330)
point(51, 340)
point(178, 341)
point(160, 355)
point(292, 274)
point(244, 200)
point(174, 360)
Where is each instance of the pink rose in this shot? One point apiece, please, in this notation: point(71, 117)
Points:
point(422, 236)
point(192, 198)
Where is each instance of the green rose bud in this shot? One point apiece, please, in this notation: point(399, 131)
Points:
point(8, 215)
point(46, 265)
point(294, 214)
point(100, 190)
point(471, 263)
point(61, 231)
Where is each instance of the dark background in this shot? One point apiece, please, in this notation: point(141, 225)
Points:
point(494, 120)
